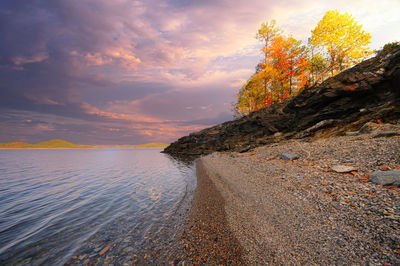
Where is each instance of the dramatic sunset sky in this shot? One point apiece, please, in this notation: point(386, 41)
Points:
point(130, 72)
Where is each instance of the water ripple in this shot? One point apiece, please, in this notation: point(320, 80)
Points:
point(53, 201)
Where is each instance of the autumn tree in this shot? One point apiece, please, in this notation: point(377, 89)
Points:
point(251, 96)
point(341, 39)
point(288, 66)
point(266, 33)
point(282, 74)
point(318, 65)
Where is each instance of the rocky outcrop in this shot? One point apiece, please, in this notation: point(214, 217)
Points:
point(369, 91)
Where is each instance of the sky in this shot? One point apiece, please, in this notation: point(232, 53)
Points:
point(131, 72)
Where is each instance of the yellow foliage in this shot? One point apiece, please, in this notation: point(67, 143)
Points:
point(342, 39)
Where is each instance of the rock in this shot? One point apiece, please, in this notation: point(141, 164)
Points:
point(369, 127)
point(343, 168)
point(323, 110)
point(353, 133)
point(214, 155)
point(386, 178)
point(288, 157)
point(232, 155)
point(386, 134)
point(320, 125)
point(245, 149)
point(128, 249)
point(372, 127)
point(104, 250)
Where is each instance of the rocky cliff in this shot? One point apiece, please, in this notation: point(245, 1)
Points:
point(369, 91)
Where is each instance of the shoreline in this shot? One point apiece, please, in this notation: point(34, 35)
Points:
point(95, 148)
point(207, 237)
point(301, 211)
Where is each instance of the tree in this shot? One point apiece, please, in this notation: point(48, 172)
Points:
point(342, 39)
point(251, 96)
point(267, 33)
point(282, 74)
point(318, 65)
point(288, 58)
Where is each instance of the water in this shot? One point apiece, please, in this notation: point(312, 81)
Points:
point(56, 204)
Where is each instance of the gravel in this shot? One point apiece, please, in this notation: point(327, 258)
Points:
point(300, 212)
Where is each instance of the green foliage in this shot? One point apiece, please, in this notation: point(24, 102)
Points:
point(389, 47)
point(268, 32)
point(319, 67)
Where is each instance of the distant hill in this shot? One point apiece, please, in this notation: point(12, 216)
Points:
point(63, 144)
point(50, 144)
point(146, 145)
point(16, 145)
point(152, 145)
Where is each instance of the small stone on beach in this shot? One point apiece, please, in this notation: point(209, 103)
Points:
point(288, 157)
point(245, 149)
point(343, 168)
point(386, 177)
point(104, 250)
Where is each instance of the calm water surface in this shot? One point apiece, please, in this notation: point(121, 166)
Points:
point(56, 204)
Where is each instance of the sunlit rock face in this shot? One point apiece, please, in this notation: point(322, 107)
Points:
point(369, 91)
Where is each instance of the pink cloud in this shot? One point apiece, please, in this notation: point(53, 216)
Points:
point(22, 60)
point(42, 127)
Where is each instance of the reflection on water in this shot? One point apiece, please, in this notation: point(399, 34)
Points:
point(58, 203)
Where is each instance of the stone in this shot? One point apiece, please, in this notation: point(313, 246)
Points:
point(245, 149)
point(214, 155)
point(352, 133)
point(321, 124)
point(288, 157)
point(386, 134)
point(343, 168)
point(128, 249)
point(368, 127)
point(386, 178)
point(104, 250)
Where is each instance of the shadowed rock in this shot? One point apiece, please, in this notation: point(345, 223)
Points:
point(369, 91)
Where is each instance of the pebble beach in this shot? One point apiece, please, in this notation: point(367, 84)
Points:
point(318, 207)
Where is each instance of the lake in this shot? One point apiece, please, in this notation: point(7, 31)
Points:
point(90, 205)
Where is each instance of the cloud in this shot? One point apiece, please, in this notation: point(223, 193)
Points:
point(132, 71)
